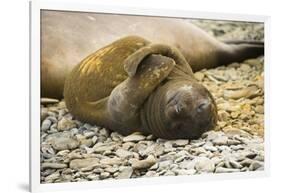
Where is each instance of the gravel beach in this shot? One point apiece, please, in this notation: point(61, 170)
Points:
point(73, 151)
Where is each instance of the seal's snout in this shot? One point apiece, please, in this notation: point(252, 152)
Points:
point(190, 111)
point(205, 115)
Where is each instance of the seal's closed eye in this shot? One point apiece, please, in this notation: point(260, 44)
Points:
point(203, 106)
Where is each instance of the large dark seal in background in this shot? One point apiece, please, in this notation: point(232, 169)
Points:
point(133, 85)
point(68, 37)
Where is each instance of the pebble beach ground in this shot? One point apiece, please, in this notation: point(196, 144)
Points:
point(73, 151)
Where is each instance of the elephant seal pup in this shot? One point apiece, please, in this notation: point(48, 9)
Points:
point(68, 37)
point(133, 85)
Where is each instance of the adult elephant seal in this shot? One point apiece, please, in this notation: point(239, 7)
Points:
point(133, 85)
point(68, 37)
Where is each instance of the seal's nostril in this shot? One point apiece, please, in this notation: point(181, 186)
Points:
point(203, 106)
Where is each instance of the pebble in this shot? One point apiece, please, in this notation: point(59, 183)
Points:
point(198, 144)
point(235, 164)
point(64, 143)
point(83, 163)
point(155, 166)
point(228, 107)
point(230, 131)
point(94, 140)
point(255, 165)
point(245, 67)
point(252, 62)
point(46, 124)
point(259, 109)
point(100, 147)
point(164, 164)
point(104, 132)
point(65, 124)
point(204, 164)
point(89, 134)
point(154, 149)
point(180, 159)
point(233, 142)
point(125, 173)
point(127, 145)
point(98, 170)
point(88, 168)
point(146, 163)
point(48, 101)
point(199, 76)
point(104, 175)
point(187, 164)
point(53, 165)
point(246, 92)
point(74, 155)
point(93, 177)
point(169, 173)
point(185, 172)
point(180, 142)
point(151, 174)
point(52, 177)
point(63, 153)
point(123, 153)
point(43, 114)
point(111, 169)
point(135, 137)
point(223, 115)
point(210, 148)
point(111, 161)
point(220, 140)
point(158, 150)
point(226, 170)
point(86, 142)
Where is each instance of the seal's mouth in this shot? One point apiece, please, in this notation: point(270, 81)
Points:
point(185, 111)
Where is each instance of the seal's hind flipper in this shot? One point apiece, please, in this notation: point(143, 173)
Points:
point(251, 42)
point(247, 49)
point(240, 50)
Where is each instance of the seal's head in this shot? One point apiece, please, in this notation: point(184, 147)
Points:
point(180, 109)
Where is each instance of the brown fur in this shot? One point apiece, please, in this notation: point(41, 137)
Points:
point(68, 37)
point(114, 87)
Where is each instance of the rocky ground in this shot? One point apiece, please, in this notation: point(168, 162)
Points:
point(74, 151)
point(230, 30)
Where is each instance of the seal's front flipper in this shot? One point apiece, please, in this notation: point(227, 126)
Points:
point(132, 63)
point(96, 113)
point(126, 99)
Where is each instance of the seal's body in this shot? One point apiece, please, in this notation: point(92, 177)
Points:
point(68, 37)
point(133, 85)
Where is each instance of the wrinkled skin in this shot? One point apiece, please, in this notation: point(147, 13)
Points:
point(185, 109)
